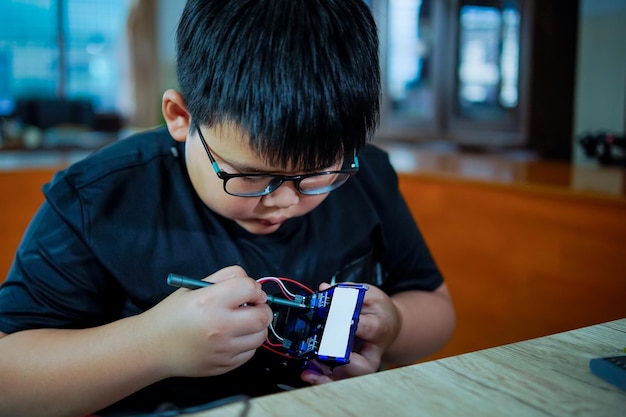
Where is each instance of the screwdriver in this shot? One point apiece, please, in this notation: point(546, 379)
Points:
point(181, 281)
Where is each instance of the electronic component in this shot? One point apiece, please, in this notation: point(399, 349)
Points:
point(325, 329)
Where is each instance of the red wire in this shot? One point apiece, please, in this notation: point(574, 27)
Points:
point(293, 281)
point(262, 281)
point(269, 345)
point(277, 352)
point(268, 342)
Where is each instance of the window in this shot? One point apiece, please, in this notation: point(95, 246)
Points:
point(64, 49)
point(409, 59)
point(451, 69)
point(488, 60)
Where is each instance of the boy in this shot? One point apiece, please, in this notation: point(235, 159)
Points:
point(254, 177)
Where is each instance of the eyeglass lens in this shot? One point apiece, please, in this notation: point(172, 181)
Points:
point(259, 185)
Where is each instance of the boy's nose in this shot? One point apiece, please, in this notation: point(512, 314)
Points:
point(284, 196)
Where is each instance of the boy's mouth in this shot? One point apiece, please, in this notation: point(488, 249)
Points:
point(273, 221)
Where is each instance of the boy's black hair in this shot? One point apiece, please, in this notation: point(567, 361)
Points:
point(300, 77)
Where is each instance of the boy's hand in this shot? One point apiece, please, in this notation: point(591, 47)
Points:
point(211, 330)
point(379, 324)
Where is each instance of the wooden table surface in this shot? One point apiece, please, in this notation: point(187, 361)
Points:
point(548, 376)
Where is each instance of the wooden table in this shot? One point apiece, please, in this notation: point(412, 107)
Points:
point(548, 376)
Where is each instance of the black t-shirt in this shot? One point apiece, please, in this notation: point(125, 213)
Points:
point(114, 225)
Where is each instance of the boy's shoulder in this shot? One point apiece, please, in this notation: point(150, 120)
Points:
point(376, 182)
point(373, 157)
point(372, 150)
point(375, 166)
point(135, 151)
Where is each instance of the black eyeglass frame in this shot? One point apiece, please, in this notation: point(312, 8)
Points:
point(277, 180)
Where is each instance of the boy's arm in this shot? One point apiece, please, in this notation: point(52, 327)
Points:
point(50, 372)
point(427, 321)
point(53, 372)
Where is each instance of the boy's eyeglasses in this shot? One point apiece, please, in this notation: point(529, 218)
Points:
point(255, 185)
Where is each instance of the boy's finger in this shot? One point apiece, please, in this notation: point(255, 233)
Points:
point(234, 271)
point(240, 291)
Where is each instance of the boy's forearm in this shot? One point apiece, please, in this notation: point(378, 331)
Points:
point(72, 372)
point(428, 320)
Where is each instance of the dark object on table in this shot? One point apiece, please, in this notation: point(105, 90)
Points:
point(609, 148)
point(611, 369)
point(48, 113)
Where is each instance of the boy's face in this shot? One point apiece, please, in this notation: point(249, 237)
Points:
point(258, 215)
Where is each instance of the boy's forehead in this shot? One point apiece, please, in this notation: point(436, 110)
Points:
point(233, 143)
point(231, 133)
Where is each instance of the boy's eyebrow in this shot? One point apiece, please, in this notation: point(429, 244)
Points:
point(241, 167)
point(245, 168)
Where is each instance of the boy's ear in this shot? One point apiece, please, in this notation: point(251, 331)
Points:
point(175, 114)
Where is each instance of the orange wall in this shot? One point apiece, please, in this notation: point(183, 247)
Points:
point(521, 262)
point(20, 196)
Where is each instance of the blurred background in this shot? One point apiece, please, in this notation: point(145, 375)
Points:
point(524, 75)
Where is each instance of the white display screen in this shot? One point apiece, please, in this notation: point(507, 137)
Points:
point(336, 335)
